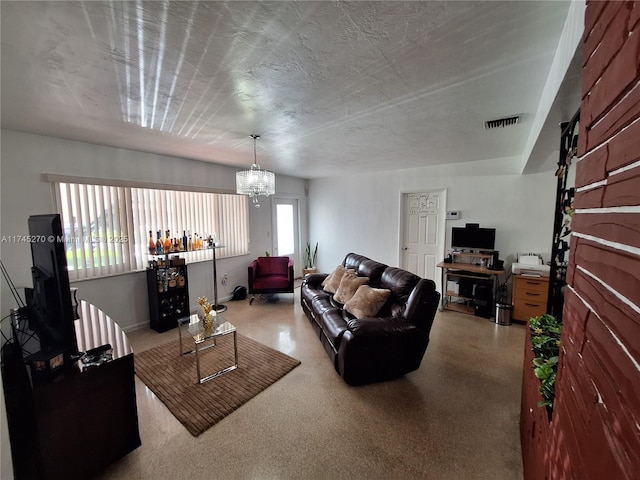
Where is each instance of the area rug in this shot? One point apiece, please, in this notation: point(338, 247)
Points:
point(172, 378)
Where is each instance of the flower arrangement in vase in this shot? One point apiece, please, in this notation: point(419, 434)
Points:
point(206, 313)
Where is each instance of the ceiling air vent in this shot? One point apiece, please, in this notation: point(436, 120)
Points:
point(502, 122)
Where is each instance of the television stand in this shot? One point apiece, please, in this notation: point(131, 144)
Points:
point(82, 419)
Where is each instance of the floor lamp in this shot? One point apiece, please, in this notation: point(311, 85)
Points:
point(216, 306)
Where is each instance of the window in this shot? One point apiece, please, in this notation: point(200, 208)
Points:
point(107, 227)
point(285, 229)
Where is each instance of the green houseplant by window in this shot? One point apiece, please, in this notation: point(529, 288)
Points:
point(310, 257)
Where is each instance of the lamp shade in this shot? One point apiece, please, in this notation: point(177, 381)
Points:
point(255, 181)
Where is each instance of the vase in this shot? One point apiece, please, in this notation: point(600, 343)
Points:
point(208, 321)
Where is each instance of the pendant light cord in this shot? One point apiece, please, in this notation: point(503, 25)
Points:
point(255, 155)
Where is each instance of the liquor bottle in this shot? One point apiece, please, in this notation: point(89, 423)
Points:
point(189, 243)
point(184, 240)
point(159, 247)
point(167, 242)
point(152, 244)
point(196, 242)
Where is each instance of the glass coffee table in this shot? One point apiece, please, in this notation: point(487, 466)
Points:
point(203, 339)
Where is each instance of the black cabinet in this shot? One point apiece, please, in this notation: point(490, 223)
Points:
point(168, 287)
point(80, 420)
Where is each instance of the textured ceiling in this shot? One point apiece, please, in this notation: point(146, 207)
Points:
point(332, 87)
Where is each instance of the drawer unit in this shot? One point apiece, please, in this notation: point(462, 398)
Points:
point(529, 297)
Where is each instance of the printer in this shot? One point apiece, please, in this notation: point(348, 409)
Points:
point(530, 265)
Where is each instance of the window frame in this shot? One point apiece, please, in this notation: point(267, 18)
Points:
point(132, 252)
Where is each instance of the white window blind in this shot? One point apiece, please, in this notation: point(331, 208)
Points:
point(107, 227)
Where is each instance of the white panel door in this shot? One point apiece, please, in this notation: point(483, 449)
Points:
point(423, 235)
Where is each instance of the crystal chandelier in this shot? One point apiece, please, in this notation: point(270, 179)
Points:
point(255, 181)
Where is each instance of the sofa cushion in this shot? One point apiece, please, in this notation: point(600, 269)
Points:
point(333, 325)
point(332, 282)
point(367, 301)
point(353, 260)
point(373, 270)
point(321, 304)
point(308, 294)
point(271, 281)
point(400, 282)
point(273, 266)
point(348, 286)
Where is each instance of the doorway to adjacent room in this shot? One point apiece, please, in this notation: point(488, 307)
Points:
point(423, 233)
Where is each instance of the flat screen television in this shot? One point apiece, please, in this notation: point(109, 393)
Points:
point(52, 315)
point(475, 238)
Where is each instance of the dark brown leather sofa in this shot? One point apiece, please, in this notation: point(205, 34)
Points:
point(387, 346)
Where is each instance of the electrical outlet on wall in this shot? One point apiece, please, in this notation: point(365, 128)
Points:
point(224, 279)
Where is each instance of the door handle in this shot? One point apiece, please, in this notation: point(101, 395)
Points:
point(405, 248)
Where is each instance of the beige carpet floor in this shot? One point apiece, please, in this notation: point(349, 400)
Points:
point(172, 377)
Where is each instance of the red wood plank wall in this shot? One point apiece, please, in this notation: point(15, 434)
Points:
point(595, 431)
point(535, 428)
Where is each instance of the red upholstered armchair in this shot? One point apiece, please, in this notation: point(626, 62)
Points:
point(268, 275)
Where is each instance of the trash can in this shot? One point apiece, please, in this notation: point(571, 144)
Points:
point(503, 314)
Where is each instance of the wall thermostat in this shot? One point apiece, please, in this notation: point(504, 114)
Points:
point(453, 214)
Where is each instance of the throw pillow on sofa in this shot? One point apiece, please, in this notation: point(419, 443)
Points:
point(348, 286)
point(367, 301)
point(332, 282)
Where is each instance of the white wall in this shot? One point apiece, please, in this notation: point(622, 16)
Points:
point(362, 213)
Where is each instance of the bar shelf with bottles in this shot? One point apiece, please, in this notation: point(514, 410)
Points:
point(168, 288)
point(167, 278)
point(167, 245)
point(167, 283)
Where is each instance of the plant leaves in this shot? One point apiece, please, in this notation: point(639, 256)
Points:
point(545, 344)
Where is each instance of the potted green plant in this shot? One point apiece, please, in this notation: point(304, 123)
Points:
point(310, 257)
point(545, 343)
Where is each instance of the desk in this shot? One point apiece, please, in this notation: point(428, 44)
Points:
point(476, 275)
